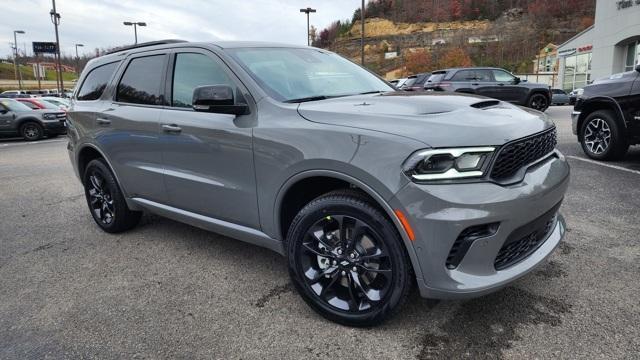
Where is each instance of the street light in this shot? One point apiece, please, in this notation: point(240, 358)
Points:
point(55, 19)
point(307, 11)
point(78, 59)
point(135, 29)
point(15, 57)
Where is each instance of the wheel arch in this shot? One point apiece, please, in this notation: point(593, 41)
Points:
point(289, 189)
point(86, 153)
point(600, 103)
point(27, 119)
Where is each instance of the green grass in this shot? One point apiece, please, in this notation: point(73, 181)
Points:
point(7, 72)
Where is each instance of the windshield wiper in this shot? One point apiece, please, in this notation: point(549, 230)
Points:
point(309, 98)
point(372, 92)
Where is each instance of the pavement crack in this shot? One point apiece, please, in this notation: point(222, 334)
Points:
point(273, 293)
point(40, 248)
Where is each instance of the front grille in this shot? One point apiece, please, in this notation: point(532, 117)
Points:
point(515, 155)
point(525, 240)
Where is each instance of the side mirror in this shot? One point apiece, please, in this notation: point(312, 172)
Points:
point(217, 99)
point(638, 68)
point(517, 80)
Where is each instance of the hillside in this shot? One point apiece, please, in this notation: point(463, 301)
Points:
point(430, 34)
point(7, 72)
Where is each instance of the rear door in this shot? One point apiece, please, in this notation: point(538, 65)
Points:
point(208, 157)
point(128, 129)
point(464, 81)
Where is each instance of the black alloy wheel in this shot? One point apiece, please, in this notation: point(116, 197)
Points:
point(347, 260)
point(31, 131)
point(538, 102)
point(106, 202)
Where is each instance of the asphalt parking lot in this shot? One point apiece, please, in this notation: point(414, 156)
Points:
point(168, 290)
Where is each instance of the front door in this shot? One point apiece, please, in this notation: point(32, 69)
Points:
point(6, 118)
point(208, 157)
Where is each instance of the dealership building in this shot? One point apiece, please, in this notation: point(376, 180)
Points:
point(611, 45)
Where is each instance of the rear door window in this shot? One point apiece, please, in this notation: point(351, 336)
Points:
point(483, 75)
point(142, 81)
point(96, 81)
point(464, 75)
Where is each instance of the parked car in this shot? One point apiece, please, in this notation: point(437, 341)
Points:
point(62, 103)
point(398, 82)
point(573, 96)
point(19, 119)
point(559, 97)
point(38, 103)
point(416, 82)
point(491, 82)
point(14, 94)
point(606, 117)
point(306, 153)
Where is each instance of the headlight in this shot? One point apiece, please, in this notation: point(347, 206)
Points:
point(445, 164)
point(49, 116)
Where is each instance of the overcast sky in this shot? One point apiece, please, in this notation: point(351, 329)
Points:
point(98, 23)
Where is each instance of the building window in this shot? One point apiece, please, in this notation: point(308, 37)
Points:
point(633, 55)
point(577, 71)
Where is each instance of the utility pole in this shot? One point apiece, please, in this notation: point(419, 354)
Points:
point(362, 34)
point(15, 58)
point(307, 11)
point(55, 18)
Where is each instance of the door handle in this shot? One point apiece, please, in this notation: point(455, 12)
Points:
point(500, 84)
point(475, 84)
point(172, 128)
point(103, 121)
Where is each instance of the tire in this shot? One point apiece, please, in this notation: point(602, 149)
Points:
point(31, 131)
point(105, 200)
point(601, 137)
point(360, 281)
point(538, 101)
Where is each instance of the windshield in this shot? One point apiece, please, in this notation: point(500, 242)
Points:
point(293, 74)
point(14, 105)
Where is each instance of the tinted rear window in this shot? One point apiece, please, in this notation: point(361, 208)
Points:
point(141, 82)
point(95, 83)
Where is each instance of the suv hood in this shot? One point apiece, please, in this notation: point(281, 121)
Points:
point(436, 119)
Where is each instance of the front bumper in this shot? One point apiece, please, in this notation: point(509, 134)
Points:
point(55, 127)
point(575, 116)
point(439, 213)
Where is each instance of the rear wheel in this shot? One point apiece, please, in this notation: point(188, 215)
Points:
point(347, 260)
point(31, 131)
point(601, 138)
point(106, 202)
point(538, 102)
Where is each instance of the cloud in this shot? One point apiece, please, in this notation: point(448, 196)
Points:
point(98, 23)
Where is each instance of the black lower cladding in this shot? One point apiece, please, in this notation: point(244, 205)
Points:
point(525, 240)
point(465, 239)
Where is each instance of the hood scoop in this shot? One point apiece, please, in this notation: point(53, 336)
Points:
point(485, 104)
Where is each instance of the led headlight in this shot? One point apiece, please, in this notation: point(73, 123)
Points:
point(445, 164)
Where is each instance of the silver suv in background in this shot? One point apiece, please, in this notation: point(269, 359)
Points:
point(365, 190)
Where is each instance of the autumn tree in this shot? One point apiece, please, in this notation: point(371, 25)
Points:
point(418, 61)
point(454, 57)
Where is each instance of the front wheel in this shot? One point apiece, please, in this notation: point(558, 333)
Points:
point(601, 138)
point(31, 131)
point(538, 102)
point(347, 260)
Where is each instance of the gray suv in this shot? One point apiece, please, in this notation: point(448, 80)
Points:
point(19, 119)
point(365, 190)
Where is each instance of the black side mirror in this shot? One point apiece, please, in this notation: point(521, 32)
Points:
point(638, 68)
point(517, 80)
point(217, 99)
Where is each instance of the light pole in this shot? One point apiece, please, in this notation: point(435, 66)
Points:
point(135, 29)
point(55, 19)
point(15, 57)
point(78, 59)
point(362, 34)
point(307, 11)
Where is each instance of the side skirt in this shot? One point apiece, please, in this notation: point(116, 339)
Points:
point(225, 228)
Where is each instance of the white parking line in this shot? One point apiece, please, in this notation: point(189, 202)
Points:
point(604, 164)
point(32, 142)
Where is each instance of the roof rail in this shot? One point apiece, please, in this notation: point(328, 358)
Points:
point(150, 43)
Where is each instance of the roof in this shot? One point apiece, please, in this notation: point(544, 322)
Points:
point(575, 36)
